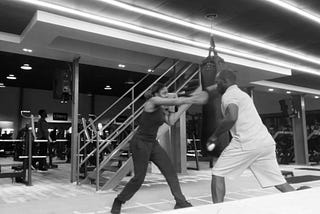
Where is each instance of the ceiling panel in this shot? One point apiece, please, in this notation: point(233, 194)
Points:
point(256, 19)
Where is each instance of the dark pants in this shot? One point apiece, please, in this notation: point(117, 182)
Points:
point(143, 151)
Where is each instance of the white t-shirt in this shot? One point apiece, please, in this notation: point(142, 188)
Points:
point(248, 131)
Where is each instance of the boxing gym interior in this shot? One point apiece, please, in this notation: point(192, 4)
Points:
point(83, 67)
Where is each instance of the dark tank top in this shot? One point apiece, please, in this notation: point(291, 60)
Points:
point(150, 122)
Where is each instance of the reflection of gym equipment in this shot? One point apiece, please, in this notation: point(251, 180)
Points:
point(314, 146)
point(284, 146)
point(19, 167)
point(193, 152)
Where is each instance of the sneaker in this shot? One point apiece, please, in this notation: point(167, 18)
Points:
point(182, 205)
point(303, 187)
point(116, 206)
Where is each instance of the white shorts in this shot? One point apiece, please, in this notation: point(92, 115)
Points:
point(261, 161)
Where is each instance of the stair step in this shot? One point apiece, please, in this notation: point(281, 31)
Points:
point(110, 168)
point(102, 179)
point(120, 158)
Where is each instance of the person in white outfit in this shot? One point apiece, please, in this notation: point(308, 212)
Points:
point(251, 146)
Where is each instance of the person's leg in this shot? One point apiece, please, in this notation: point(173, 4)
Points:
point(267, 171)
point(140, 154)
point(161, 159)
point(43, 151)
point(218, 189)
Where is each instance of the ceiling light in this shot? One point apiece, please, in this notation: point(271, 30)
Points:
point(150, 70)
point(270, 89)
point(107, 87)
point(11, 77)
point(317, 97)
point(288, 92)
point(26, 67)
point(222, 32)
point(288, 6)
point(27, 50)
point(2, 85)
point(179, 39)
point(121, 66)
point(129, 82)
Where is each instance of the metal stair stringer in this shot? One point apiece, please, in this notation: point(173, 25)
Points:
point(117, 177)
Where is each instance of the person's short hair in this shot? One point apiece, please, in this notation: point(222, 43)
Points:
point(41, 111)
point(154, 89)
point(228, 74)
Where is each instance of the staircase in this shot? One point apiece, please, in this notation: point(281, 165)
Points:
point(105, 160)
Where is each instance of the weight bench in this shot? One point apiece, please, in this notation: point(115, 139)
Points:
point(287, 173)
point(14, 174)
point(13, 164)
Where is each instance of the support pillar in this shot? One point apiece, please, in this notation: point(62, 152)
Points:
point(178, 144)
point(250, 91)
point(300, 131)
point(75, 110)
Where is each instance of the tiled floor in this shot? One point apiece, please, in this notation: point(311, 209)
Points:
point(52, 192)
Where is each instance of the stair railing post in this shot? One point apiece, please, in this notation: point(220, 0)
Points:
point(29, 143)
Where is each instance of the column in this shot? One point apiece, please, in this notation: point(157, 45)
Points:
point(75, 110)
point(178, 144)
point(299, 130)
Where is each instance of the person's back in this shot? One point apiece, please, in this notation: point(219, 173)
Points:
point(150, 122)
point(248, 129)
point(42, 129)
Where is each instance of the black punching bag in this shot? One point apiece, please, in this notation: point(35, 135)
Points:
point(211, 112)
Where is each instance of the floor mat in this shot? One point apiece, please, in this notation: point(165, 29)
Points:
point(301, 179)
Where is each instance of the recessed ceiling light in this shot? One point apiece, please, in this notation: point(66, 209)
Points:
point(108, 87)
point(317, 97)
point(129, 82)
point(270, 89)
point(288, 92)
point(27, 50)
point(121, 66)
point(26, 67)
point(11, 77)
point(150, 70)
point(2, 85)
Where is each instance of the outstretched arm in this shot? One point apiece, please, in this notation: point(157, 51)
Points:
point(213, 89)
point(197, 98)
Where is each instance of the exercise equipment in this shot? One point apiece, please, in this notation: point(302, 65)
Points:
point(211, 111)
point(284, 146)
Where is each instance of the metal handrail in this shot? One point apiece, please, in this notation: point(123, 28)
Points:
point(111, 137)
point(138, 97)
point(123, 143)
point(127, 92)
point(101, 146)
point(141, 94)
point(115, 134)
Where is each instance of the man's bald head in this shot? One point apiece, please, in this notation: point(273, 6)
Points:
point(224, 79)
